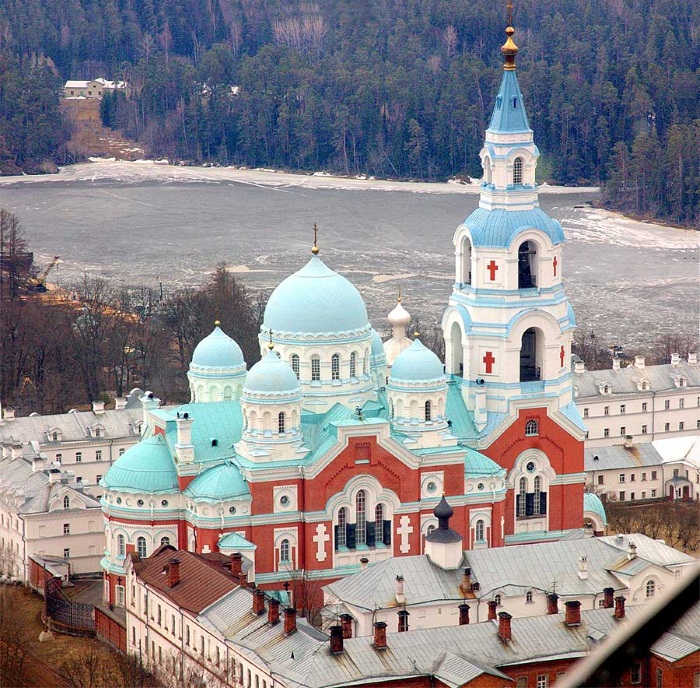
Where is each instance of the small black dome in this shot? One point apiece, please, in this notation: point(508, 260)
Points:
point(443, 510)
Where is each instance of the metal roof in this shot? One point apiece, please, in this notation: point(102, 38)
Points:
point(621, 456)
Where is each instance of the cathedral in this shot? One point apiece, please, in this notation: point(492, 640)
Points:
point(334, 450)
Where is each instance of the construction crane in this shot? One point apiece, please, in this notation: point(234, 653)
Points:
point(38, 283)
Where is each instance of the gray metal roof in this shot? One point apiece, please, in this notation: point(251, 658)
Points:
point(624, 381)
point(620, 456)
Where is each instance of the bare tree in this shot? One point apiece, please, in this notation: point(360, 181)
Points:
point(14, 644)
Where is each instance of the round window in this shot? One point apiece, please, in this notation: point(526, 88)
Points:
point(119, 500)
point(232, 510)
point(530, 466)
point(164, 502)
point(480, 486)
point(284, 500)
point(139, 502)
point(431, 486)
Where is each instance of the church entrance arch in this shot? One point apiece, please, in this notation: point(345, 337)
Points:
point(531, 355)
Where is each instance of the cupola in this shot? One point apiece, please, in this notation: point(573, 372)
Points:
point(399, 319)
point(443, 546)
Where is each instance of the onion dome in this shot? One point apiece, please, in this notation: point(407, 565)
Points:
point(220, 483)
point(399, 316)
point(315, 300)
point(218, 350)
point(443, 511)
point(147, 467)
point(417, 364)
point(443, 533)
point(271, 375)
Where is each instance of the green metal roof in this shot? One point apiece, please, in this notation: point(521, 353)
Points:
point(219, 483)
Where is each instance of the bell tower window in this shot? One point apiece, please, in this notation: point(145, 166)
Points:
point(531, 355)
point(466, 267)
point(527, 265)
point(518, 171)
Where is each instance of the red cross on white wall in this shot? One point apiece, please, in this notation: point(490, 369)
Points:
point(489, 360)
point(555, 262)
point(492, 267)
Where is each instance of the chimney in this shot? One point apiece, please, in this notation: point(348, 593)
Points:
point(552, 603)
point(98, 408)
point(608, 600)
point(573, 613)
point(639, 362)
point(290, 620)
point(346, 624)
point(243, 579)
point(258, 602)
point(675, 359)
point(38, 463)
point(504, 632)
point(236, 564)
point(466, 581)
point(119, 403)
point(492, 609)
point(583, 567)
point(579, 367)
point(400, 597)
point(403, 621)
point(616, 363)
point(363, 563)
point(380, 635)
point(463, 614)
point(336, 640)
point(693, 358)
point(619, 607)
point(183, 446)
point(8, 414)
point(273, 611)
point(631, 551)
point(173, 573)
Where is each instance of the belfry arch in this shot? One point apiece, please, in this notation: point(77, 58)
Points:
point(466, 266)
point(528, 262)
point(456, 360)
point(531, 355)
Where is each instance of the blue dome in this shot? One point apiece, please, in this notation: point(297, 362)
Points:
point(145, 467)
point(416, 364)
point(591, 502)
point(271, 374)
point(499, 227)
point(219, 483)
point(218, 350)
point(315, 300)
point(377, 345)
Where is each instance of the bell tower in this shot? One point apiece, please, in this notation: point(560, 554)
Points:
point(508, 326)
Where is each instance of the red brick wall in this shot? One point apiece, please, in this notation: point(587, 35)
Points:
point(110, 630)
point(678, 674)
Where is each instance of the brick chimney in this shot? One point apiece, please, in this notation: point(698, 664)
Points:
point(619, 607)
point(552, 603)
point(236, 564)
point(608, 600)
point(466, 585)
point(273, 611)
point(290, 620)
point(573, 613)
point(403, 621)
point(380, 635)
point(346, 624)
point(258, 602)
point(243, 579)
point(493, 605)
point(504, 632)
point(336, 640)
point(463, 614)
point(173, 572)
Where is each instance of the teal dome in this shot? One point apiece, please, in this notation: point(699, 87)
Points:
point(416, 364)
point(591, 502)
point(315, 300)
point(271, 375)
point(218, 350)
point(145, 467)
point(218, 484)
point(500, 227)
point(477, 464)
point(377, 345)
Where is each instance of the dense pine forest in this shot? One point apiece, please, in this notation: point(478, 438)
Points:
point(395, 88)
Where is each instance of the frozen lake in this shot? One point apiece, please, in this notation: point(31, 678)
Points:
point(137, 223)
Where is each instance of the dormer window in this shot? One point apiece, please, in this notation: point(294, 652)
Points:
point(55, 435)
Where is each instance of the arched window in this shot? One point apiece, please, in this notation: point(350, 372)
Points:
point(527, 265)
point(361, 518)
point(295, 364)
point(531, 353)
point(537, 497)
point(315, 368)
point(650, 589)
point(55, 436)
point(353, 364)
point(497, 600)
point(66, 502)
point(518, 171)
point(479, 531)
point(341, 539)
point(428, 411)
point(164, 540)
point(531, 428)
point(365, 363)
point(379, 524)
point(522, 497)
point(141, 547)
point(335, 367)
point(430, 529)
point(528, 596)
point(121, 546)
point(281, 423)
point(284, 551)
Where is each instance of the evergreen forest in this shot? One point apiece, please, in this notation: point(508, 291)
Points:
point(391, 88)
